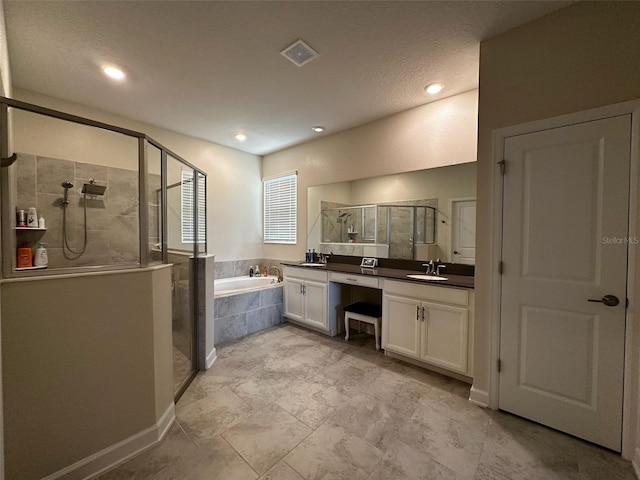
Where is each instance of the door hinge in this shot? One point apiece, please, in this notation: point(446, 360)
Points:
point(626, 304)
point(503, 167)
point(500, 267)
point(499, 366)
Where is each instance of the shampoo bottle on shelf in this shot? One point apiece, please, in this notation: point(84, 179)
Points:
point(24, 256)
point(251, 271)
point(41, 259)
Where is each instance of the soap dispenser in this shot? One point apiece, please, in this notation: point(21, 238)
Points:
point(41, 259)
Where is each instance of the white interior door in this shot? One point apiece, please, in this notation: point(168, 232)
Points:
point(565, 227)
point(463, 231)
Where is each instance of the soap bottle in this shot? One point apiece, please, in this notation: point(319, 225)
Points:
point(256, 271)
point(265, 271)
point(313, 256)
point(24, 256)
point(41, 224)
point(251, 271)
point(41, 259)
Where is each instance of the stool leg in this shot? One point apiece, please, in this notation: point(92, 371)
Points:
point(346, 326)
point(377, 333)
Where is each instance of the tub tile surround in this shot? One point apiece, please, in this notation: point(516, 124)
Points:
point(112, 220)
point(290, 404)
point(244, 313)
point(240, 268)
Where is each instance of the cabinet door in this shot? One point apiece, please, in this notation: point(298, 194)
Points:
point(315, 299)
point(445, 336)
point(293, 299)
point(401, 316)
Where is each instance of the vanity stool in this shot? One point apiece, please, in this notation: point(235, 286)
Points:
point(364, 312)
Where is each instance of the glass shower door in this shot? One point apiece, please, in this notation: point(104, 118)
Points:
point(180, 252)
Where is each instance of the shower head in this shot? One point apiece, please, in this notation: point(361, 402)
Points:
point(66, 185)
point(93, 189)
point(343, 215)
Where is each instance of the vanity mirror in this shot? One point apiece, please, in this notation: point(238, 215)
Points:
point(421, 215)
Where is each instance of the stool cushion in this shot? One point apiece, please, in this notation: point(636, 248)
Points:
point(364, 308)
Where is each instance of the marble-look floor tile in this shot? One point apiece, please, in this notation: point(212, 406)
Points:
point(212, 415)
point(174, 446)
point(333, 452)
point(374, 417)
point(453, 406)
point(596, 463)
point(281, 471)
point(377, 422)
point(448, 441)
point(266, 436)
point(403, 462)
point(348, 379)
point(214, 459)
point(522, 450)
point(260, 392)
point(312, 403)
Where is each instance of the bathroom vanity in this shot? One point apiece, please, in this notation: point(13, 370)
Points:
point(423, 322)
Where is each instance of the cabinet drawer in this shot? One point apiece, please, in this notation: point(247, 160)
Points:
point(454, 296)
point(306, 273)
point(353, 279)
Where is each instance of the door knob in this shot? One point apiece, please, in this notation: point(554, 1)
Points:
point(455, 252)
point(608, 300)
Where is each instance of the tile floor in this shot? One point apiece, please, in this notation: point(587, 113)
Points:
point(290, 404)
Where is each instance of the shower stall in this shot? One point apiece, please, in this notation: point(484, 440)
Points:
point(403, 230)
point(110, 199)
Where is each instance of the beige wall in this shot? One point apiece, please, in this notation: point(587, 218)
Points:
point(437, 134)
point(583, 56)
point(84, 365)
point(234, 187)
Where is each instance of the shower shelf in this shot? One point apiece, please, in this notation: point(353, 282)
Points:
point(26, 229)
point(30, 268)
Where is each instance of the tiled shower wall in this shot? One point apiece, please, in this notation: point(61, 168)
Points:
point(112, 220)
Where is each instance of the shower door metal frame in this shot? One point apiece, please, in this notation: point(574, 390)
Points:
point(8, 235)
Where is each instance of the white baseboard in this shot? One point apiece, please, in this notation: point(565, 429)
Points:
point(114, 455)
point(479, 397)
point(211, 358)
point(636, 462)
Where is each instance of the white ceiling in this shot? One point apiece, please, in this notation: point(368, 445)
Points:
point(209, 69)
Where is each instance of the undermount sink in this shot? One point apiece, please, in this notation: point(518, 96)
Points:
point(312, 264)
point(426, 277)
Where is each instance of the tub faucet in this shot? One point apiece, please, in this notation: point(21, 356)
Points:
point(279, 272)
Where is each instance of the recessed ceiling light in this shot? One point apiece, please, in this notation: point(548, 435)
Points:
point(114, 73)
point(317, 129)
point(434, 88)
point(240, 136)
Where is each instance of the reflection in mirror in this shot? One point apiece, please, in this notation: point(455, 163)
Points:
point(420, 215)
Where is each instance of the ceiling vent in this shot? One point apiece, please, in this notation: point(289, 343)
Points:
point(299, 53)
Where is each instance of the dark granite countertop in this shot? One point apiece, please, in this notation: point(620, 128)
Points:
point(459, 281)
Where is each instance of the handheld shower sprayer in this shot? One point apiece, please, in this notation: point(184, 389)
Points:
point(66, 185)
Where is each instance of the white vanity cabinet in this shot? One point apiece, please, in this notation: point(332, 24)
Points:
point(305, 297)
point(428, 323)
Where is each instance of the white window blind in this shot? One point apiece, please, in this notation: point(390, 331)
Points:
point(280, 209)
point(187, 208)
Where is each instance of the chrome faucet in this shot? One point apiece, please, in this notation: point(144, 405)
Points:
point(322, 258)
point(430, 267)
point(434, 267)
point(279, 272)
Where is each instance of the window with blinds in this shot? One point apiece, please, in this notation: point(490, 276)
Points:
point(280, 209)
point(187, 208)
